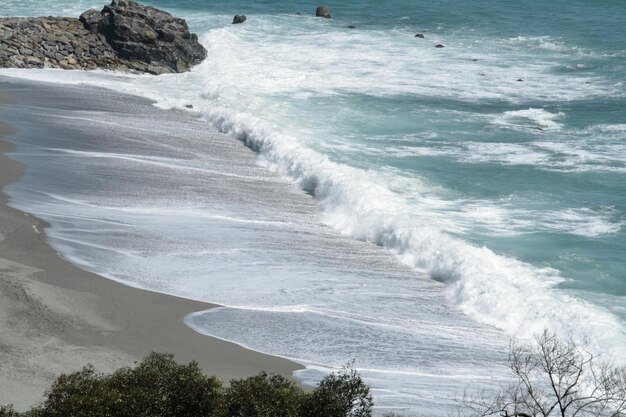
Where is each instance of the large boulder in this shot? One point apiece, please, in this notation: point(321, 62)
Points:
point(142, 33)
point(323, 11)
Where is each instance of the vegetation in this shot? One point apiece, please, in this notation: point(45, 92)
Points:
point(554, 378)
point(339, 395)
point(160, 387)
point(551, 378)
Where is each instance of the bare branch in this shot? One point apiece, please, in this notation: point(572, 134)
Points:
point(555, 378)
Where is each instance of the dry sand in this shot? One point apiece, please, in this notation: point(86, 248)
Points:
point(56, 318)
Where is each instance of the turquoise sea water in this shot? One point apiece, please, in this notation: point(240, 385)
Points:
point(495, 165)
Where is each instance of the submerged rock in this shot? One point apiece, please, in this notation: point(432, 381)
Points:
point(239, 19)
point(419, 35)
point(439, 45)
point(125, 36)
point(323, 11)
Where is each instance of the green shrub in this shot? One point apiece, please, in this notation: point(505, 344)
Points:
point(263, 396)
point(157, 387)
point(160, 387)
point(8, 411)
point(343, 394)
point(79, 394)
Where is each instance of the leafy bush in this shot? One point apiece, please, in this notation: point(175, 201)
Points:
point(79, 394)
point(340, 395)
point(160, 387)
point(263, 396)
point(8, 411)
point(157, 387)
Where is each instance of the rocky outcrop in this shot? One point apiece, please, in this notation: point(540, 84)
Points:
point(323, 11)
point(55, 43)
point(123, 36)
point(239, 19)
point(146, 34)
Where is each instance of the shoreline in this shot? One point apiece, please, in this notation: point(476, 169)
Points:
point(55, 317)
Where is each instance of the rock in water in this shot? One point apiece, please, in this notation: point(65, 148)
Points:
point(419, 35)
point(323, 11)
point(239, 19)
point(142, 33)
point(439, 45)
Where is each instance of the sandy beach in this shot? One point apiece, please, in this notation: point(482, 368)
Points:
point(55, 317)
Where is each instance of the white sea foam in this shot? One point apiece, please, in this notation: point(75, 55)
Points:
point(547, 43)
point(239, 91)
point(504, 153)
point(492, 288)
point(530, 118)
point(400, 66)
point(610, 128)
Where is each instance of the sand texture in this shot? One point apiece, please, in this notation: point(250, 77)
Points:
point(55, 317)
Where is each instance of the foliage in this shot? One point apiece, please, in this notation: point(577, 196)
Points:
point(556, 379)
point(339, 395)
point(263, 396)
point(157, 387)
point(8, 411)
point(160, 387)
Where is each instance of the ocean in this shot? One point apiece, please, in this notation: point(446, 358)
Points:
point(486, 177)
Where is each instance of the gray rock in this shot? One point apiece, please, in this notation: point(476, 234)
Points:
point(90, 20)
point(323, 11)
point(239, 19)
point(145, 34)
point(31, 60)
point(125, 36)
point(439, 45)
point(419, 35)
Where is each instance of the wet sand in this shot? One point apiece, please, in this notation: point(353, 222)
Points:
point(55, 317)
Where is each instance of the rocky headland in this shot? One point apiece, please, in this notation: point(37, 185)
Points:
point(124, 35)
